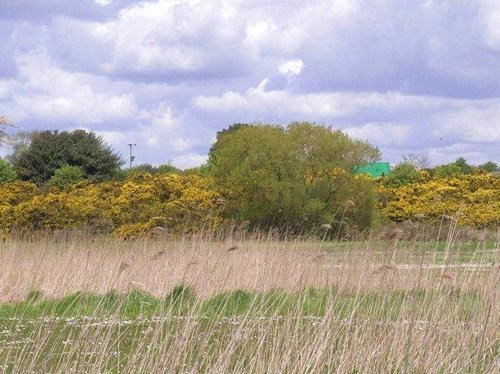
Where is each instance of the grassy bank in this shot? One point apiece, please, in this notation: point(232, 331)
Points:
point(248, 306)
point(307, 332)
point(182, 301)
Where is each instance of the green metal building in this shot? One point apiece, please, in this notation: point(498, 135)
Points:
point(374, 169)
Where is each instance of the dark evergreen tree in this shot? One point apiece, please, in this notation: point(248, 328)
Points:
point(50, 150)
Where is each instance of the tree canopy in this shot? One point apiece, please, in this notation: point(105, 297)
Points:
point(50, 150)
point(297, 177)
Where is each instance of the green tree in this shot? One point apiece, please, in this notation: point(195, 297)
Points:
point(168, 169)
point(50, 150)
point(7, 174)
point(403, 173)
point(463, 165)
point(287, 177)
point(453, 169)
point(489, 166)
point(447, 171)
point(221, 134)
point(65, 176)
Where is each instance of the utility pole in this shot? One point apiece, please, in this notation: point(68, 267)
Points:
point(132, 157)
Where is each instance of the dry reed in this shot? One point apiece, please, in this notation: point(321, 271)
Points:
point(435, 340)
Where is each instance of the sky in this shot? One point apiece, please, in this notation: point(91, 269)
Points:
point(413, 76)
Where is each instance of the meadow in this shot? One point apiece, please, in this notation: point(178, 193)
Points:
point(249, 304)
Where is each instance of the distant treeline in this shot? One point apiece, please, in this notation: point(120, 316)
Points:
point(299, 178)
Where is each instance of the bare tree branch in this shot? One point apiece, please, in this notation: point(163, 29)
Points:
point(4, 123)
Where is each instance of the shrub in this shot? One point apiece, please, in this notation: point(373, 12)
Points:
point(66, 176)
point(7, 174)
point(131, 207)
point(476, 198)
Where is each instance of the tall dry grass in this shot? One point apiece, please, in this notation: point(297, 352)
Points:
point(441, 338)
point(58, 267)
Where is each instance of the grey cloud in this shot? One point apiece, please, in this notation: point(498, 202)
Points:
point(437, 49)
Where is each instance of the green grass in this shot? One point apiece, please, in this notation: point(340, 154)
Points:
point(115, 331)
point(182, 301)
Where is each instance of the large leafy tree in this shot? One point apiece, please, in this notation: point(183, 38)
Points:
point(296, 177)
point(50, 150)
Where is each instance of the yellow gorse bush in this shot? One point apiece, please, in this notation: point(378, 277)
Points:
point(476, 199)
point(130, 208)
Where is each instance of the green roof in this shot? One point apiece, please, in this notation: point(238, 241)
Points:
point(374, 169)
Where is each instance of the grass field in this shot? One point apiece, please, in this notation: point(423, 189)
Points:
point(258, 305)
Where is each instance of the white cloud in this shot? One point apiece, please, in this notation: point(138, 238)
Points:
point(164, 120)
point(408, 69)
point(446, 154)
point(325, 105)
point(45, 91)
point(189, 160)
point(474, 123)
point(4, 88)
point(103, 2)
point(491, 19)
point(291, 67)
point(167, 35)
point(163, 133)
point(115, 138)
point(382, 134)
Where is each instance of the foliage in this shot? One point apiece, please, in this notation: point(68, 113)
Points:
point(50, 150)
point(447, 171)
point(475, 197)
point(489, 166)
point(402, 174)
point(292, 178)
point(133, 206)
point(148, 168)
point(65, 176)
point(7, 174)
point(167, 169)
point(454, 169)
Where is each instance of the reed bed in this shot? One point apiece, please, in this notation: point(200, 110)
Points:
point(252, 305)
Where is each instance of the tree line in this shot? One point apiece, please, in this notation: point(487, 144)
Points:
point(299, 177)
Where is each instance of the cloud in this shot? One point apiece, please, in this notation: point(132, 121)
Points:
point(291, 67)
point(382, 134)
point(315, 106)
point(169, 74)
point(162, 37)
point(491, 19)
point(189, 160)
point(103, 2)
point(164, 133)
point(43, 90)
point(415, 121)
point(478, 123)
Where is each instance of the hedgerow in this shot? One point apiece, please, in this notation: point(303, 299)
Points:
point(131, 207)
point(474, 198)
point(186, 203)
